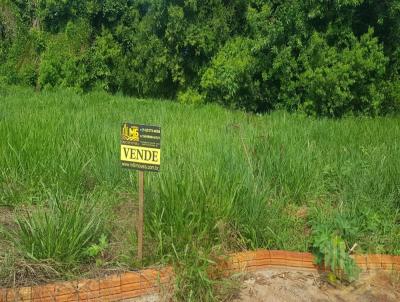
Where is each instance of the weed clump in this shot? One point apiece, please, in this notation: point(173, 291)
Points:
point(63, 233)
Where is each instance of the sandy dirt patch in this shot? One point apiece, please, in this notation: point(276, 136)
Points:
point(148, 298)
point(283, 285)
point(286, 285)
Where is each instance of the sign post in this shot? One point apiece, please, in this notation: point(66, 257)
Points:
point(141, 219)
point(140, 150)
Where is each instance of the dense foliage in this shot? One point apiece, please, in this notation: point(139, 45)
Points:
point(323, 57)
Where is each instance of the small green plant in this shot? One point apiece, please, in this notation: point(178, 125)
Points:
point(97, 250)
point(330, 250)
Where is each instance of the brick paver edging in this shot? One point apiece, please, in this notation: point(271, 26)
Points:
point(134, 284)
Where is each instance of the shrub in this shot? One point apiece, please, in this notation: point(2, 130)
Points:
point(337, 82)
point(391, 103)
point(230, 78)
point(61, 62)
point(101, 62)
point(190, 96)
point(22, 59)
point(146, 68)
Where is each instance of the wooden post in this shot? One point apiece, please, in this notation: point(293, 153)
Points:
point(140, 222)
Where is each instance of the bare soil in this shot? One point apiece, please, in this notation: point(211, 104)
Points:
point(283, 285)
point(286, 285)
point(148, 298)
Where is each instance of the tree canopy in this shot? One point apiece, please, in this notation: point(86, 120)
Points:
point(323, 57)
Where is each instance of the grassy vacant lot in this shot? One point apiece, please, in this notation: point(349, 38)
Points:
point(228, 181)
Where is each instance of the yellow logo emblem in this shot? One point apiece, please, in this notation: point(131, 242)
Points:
point(130, 133)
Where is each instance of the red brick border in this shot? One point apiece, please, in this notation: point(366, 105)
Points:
point(112, 288)
point(134, 284)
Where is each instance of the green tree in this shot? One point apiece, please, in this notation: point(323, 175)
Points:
point(327, 58)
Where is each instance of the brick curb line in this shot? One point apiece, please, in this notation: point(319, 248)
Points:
point(149, 281)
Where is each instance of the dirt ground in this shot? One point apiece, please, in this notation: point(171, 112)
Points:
point(149, 298)
point(286, 285)
point(283, 285)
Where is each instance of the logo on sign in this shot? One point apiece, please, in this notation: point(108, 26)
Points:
point(130, 133)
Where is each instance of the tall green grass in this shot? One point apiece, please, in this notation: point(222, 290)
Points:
point(228, 180)
point(63, 232)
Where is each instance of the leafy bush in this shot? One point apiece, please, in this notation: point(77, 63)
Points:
point(230, 79)
point(56, 14)
point(100, 64)
point(391, 103)
point(61, 62)
point(146, 68)
point(190, 96)
point(21, 66)
point(336, 82)
point(8, 32)
point(62, 233)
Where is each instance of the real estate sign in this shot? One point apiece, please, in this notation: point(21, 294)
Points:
point(140, 147)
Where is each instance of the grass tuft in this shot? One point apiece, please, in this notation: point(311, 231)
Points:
point(62, 232)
